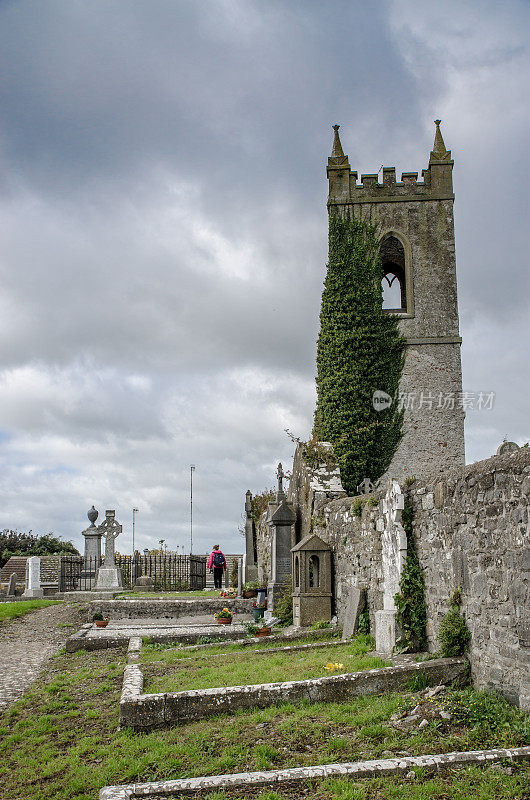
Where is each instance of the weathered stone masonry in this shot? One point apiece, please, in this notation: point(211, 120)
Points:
point(418, 251)
point(471, 529)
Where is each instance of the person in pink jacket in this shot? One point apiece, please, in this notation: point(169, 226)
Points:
point(217, 563)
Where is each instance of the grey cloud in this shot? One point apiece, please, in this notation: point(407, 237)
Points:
point(163, 229)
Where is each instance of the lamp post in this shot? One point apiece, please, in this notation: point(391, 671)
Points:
point(135, 511)
point(192, 470)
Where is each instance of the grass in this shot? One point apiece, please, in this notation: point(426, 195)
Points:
point(471, 784)
point(200, 671)
point(20, 607)
point(61, 740)
point(152, 651)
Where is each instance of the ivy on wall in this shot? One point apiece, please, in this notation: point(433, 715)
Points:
point(360, 350)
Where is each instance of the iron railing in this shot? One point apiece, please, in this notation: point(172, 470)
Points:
point(170, 572)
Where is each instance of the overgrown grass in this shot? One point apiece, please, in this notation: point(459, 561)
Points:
point(20, 607)
point(470, 784)
point(203, 673)
point(169, 652)
point(243, 668)
point(61, 739)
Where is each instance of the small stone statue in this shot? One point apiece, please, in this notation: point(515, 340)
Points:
point(280, 475)
point(92, 516)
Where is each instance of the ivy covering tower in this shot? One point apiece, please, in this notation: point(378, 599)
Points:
point(414, 219)
point(360, 351)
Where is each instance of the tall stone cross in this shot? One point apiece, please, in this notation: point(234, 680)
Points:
point(280, 475)
point(111, 529)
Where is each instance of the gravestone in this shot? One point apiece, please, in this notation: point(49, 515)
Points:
point(507, 447)
point(33, 589)
point(356, 604)
point(92, 536)
point(251, 570)
point(365, 487)
point(281, 522)
point(311, 567)
point(394, 554)
point(12, 588)
point(109, 575)
point(144, 583)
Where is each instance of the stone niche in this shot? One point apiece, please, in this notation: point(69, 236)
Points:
point(311, 565)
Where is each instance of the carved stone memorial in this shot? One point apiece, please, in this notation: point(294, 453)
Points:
point(394, 554)
point(281, 522)
point(109, 575)
point(33, 588)
point(311, 566)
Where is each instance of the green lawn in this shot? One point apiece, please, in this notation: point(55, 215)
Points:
point(20, 607)
point(61, 739)
point(175, 673)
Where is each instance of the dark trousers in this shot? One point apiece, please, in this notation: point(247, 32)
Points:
point(218, 577)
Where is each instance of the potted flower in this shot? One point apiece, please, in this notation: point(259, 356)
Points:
point(250, 589)
point(224, 617)
point(256, 630)
point(100, 620)
point(258, 611)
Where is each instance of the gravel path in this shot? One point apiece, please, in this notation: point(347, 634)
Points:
point(27, 643)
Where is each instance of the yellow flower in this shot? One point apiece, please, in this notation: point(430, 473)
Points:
point(330, 666)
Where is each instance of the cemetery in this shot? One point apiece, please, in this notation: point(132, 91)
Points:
point(383, 648)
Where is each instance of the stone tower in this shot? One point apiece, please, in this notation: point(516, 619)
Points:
point(415, 218)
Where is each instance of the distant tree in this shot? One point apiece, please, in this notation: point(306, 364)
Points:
point(17, 543)
point(360, 351)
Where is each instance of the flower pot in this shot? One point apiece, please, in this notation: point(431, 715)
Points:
point(224, 620)
point(258, 613)
point(263, 632)
point(250, 593)
point(101, 623)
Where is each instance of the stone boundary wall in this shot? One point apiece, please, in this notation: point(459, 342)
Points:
point(144, 712)
point(238, 781)
point(471, 530)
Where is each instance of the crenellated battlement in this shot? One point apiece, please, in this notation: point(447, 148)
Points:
point(345, 188)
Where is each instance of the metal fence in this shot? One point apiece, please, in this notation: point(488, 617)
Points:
point(170, 572)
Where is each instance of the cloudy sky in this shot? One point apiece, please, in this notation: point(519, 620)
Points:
point(163, 234)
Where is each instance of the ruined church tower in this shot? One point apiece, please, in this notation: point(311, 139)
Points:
point(415, 218)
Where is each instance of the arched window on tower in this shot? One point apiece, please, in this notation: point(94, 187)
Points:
point(393, 283)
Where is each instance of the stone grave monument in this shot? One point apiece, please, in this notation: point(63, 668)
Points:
point(12, 588)
point(109, 575)
point(281, 522)
point(311, 567)
point(33, 589)
point(394, 554)
point(92, 536)
point(251, 570)
point(354, 607)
